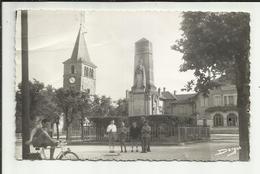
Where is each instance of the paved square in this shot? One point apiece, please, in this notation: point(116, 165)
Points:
point(205, 151)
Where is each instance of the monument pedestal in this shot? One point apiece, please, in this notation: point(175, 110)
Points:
point(139, 104)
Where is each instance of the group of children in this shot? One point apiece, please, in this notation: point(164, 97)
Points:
point(136, 134)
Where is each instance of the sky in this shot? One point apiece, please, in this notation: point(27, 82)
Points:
point(110, 38)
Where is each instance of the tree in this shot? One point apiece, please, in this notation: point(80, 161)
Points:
point(106, 106)
point(217, 45)
point(50, 108)
point(84, 107)
point(67, 101)
point(36, 99)
point(95, 108)
point(35, 89)
point(122, 107)
point(41, 102)
point(102, 106)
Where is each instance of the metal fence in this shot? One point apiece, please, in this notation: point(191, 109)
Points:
point(170, 134)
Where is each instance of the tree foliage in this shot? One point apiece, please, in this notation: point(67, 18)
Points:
point(210, 44)
point(48, 102)
point(122, 107)
point(67, 101)
point(42, 103)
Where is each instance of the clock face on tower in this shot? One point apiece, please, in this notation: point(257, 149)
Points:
point(72, 80)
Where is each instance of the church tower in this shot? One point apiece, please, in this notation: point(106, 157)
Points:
point(143, 98)
point(79, 71)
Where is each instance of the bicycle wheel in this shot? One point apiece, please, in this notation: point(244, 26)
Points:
point(69, 156)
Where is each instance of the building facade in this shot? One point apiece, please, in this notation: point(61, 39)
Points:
point(218, 109)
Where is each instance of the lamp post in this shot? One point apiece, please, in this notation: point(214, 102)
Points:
point(25, 85)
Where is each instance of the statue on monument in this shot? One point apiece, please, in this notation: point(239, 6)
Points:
point(140, 80)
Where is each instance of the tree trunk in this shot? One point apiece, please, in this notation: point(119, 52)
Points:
point(81, 124)
point(67, 127)
point(243, 92)
point(58, 132)
point(82, 130)
point(67, 132)
point(66, 124)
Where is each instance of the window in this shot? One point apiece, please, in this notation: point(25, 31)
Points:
point(231, 120)
point(229, 100)
point(218, 120)
point(225, 100)
point(204, 122)
point(217, 100)
point(72, 69)
point(204, 101)
point(85, 71)
point(183, 111)
point(91, 73)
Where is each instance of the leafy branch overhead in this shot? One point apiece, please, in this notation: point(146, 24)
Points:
point(210, 43)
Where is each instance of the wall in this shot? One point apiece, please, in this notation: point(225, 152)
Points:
point(179, 109)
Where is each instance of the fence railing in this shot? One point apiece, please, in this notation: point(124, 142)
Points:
point(175, 134)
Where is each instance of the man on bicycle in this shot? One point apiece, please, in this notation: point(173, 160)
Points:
point(40, 137)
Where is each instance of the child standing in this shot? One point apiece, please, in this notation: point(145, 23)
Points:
point(111, 130)
point(122, 136)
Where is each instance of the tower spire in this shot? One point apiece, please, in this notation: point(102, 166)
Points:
point(82, 22)
point(82, 18)
point(80, 50)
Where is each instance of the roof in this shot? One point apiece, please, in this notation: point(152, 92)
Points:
point(184, 97)
point(80, 51)
point(180, 98)
point(168, 96)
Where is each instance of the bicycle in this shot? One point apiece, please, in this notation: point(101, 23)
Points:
point(64, 154)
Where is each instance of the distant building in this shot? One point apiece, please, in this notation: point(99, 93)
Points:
point(218, 110)
point(79, 71)
point(181, 105)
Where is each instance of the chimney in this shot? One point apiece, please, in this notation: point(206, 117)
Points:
point(163, 89)
point(174, 92)
point(159, 91)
